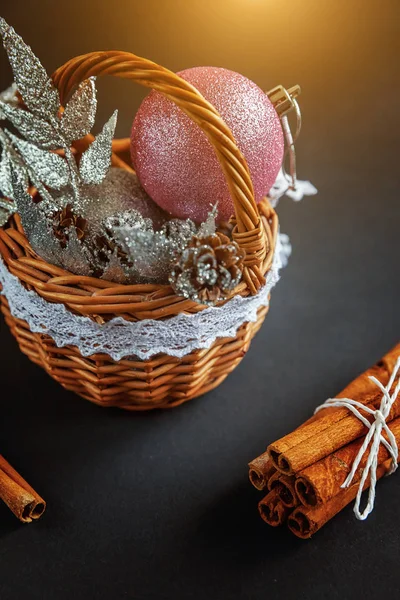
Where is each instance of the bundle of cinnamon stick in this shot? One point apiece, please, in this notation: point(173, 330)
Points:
point(19, 496)
point(303, 471)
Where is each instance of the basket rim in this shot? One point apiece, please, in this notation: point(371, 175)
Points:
point(102, 300)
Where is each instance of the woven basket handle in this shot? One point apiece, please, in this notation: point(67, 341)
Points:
point(248, 232)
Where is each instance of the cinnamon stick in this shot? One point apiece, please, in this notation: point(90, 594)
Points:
point(19, 496)
point(333, 428)
point(261, 470)
point(272, 510)
point(285, 488)
point(319, 482)
point(304, 522)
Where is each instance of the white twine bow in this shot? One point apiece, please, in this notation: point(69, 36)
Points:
point(373, 437)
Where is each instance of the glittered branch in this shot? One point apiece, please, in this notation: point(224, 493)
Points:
point(45, 127)
point(32, 81)
point(121, 245)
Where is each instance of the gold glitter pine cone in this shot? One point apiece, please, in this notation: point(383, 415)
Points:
point(208, 269)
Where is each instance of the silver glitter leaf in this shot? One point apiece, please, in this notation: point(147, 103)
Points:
point(37, 221)
point(33, 83)
point(47, 201)
point(9, 97)
point(49, 168)
point(10, 165)
point(115, 271)
point(33, 128)
point(153, 253)
point(22, 172)
point(75, 256)
point(80, 112)
point(6, 210)
point(208, 227)
point(35, 224)
point(6, 187)
point(96, 161)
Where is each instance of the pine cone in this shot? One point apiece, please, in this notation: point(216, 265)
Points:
point(106, 247)
point(64, 220)
point(208, 269)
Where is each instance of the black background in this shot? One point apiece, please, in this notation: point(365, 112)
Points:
point(157, 505)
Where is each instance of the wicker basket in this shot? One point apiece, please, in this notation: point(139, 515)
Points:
point(162, 381)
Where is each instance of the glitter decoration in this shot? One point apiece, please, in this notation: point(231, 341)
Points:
point(35, 223)
point(96, 161)
point(42, 124)
point(76, 257)
point(114, 270)
point(10, 163)
point(32, 81)
point(175, 161)
point(152, 254)
point(85, 230)
point(5, 175)
point(39, 229)
point(90, 219)
point(32, 127)
point(53, 225)
point(80, 112)
point(208, 269)
point(120, 191)
point(9, 96)
point(6, 210)
point(208, 227)
point(115, 231)
point(50, 168)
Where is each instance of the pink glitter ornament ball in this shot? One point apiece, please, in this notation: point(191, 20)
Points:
point(175, 161)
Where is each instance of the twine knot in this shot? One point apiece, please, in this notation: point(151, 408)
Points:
point(372, 440)
point(379, 417)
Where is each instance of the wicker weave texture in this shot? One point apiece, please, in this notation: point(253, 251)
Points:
point(162, 381)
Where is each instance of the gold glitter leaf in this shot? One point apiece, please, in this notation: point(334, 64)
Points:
point(96, 161)
point(33, 83)
point(80, 112)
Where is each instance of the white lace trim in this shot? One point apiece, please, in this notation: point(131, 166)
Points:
point(119, 338)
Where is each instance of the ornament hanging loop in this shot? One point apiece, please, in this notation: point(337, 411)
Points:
point(284, 101)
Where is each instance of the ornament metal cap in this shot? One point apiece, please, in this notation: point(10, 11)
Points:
point(283, 99)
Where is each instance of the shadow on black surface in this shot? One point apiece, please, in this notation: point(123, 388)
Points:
point(232, 528)
point(8, 522)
